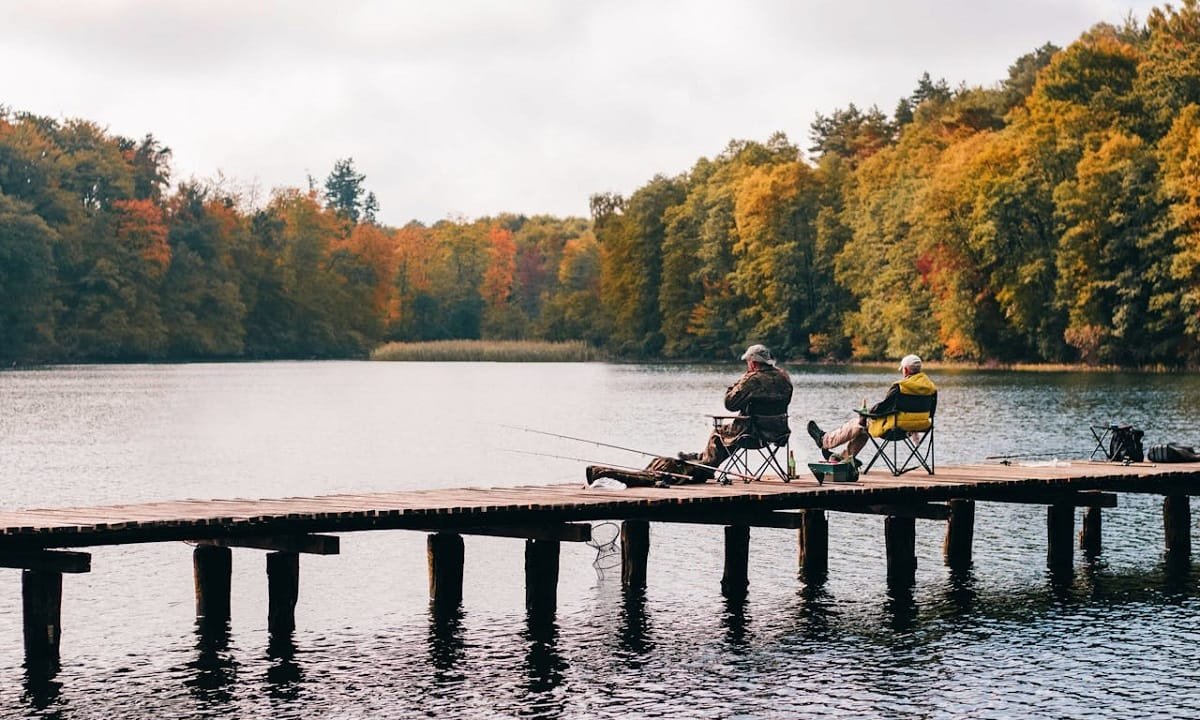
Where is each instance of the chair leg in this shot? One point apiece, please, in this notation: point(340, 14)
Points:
point(924, 459)
point(879, 452)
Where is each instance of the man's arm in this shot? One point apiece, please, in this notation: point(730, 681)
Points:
point(887, 405)
point(738, 394)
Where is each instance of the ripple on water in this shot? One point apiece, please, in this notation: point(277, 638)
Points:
point(1119, 639)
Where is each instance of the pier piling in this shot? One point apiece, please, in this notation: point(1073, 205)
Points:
point(41, 595)
point(813, 545)
point(1060, 531)
point(541, 576)
point(635, 551)
point(283, 588)
point(960, 534)
point(1090, 533)
point(1177, 526)
point(445, 555)
point(212, 568)
point(900, 538)
point(736, 579)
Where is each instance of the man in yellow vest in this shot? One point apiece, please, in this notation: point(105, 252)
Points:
point(909, 405)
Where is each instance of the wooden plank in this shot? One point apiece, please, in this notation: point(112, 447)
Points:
point(308, 544)
point(785, 520)
point(562, 532)
point(48, 561)
point(918, 511)
point(536, 505)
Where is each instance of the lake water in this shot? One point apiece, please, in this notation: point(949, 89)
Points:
point(1119, 639)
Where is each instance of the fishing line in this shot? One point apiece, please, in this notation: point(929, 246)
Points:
point(1032, 454)
point(690, 463)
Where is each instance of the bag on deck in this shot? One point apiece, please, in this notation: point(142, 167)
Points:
point(1171, 453)
point(1125, 443)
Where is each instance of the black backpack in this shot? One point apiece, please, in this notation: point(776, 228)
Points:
point(1171, 453)
point(1125, 444)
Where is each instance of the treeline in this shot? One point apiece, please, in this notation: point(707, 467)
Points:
point(1053, 217)
point(99, 261)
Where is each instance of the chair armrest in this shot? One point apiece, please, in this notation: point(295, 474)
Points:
point(721, 420)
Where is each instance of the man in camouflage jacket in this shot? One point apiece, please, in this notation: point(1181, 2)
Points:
point(764, 390)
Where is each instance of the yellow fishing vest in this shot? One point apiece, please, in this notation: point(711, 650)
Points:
point(914, 408)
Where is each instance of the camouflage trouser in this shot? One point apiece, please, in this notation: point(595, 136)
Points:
point(701, 467)
point(660, 471)
point(687, 464)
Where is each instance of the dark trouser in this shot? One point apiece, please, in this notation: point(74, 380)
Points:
point(662, 468)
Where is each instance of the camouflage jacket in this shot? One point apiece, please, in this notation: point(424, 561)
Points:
point(766, 391)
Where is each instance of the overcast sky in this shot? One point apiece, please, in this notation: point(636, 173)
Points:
point(475, 107)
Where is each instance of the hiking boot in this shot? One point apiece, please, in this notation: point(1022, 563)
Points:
point(818, 437)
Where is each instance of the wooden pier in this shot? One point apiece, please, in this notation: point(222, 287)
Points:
point(42, 542)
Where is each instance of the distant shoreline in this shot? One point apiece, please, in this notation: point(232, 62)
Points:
point(580, 351)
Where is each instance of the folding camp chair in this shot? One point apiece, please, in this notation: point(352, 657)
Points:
point(1100, 433)
point(904, 449)
point(755, 451)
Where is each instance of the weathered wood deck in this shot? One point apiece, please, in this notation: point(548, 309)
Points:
point(32, 540)
point(466, 508)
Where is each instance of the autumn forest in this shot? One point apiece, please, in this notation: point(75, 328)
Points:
point(1052, 217)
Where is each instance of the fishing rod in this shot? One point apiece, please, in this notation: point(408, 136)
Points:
point(585, 440)
point(691, 463)
point(676, 476)
point(1031, 454)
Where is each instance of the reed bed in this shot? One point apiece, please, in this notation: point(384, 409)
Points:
point(487, 351)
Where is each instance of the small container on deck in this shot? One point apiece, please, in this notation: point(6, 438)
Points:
point(835, 471)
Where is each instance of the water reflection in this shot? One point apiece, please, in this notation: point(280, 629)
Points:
point(445, 642)
point(284, 675)
point(544, 669)
point(955, 645)
point(1061, 582)
point(900, 608)
point(42, 693)
point(40, 670)
point(634, 627)
point(1178, 578)
point(735, 621)
point(816, 612)
point(214, 668)
point(960, 593)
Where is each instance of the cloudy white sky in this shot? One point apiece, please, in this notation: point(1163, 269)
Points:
point(474, 107)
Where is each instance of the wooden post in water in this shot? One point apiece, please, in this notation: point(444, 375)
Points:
point(736, 579)
point(283, 588)
point(635, 550)
point(541, 576)
point(1177, 526)
point(1060, 532)
point(960, 534)
point(41, 596)
point(212, 568)
point(1090, 533)
point(813, 545)
point(445, 554)
point(900, 539)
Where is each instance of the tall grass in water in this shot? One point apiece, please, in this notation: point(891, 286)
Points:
point(487, 351)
